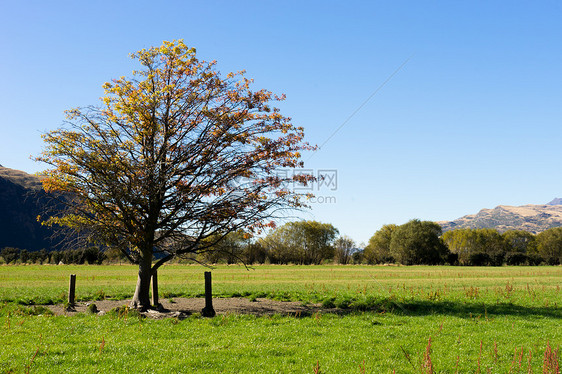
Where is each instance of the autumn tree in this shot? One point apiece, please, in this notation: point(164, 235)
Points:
point(174, 155)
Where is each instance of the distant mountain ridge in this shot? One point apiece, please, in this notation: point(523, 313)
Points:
point(22, 199)
point(556, 201)
point(21, 178)
point(531, 218)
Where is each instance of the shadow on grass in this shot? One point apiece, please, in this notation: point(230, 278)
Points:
point(345, 305)
point(450, 308)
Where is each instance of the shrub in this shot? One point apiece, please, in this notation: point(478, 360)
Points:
point(497, 259)
point(535, 259)
point(453, 258)
point(516, 258)
point(479, 259)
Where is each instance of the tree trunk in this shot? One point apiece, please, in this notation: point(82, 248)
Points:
point(141, 298)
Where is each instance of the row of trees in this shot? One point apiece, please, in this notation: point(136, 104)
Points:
point(90, 255)
point(489, 247)
point(421, 242)
point(413, 243)
point(311, 242)
point(301, 242)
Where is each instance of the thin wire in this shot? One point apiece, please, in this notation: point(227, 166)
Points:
point(363, 104)
point(397, 303)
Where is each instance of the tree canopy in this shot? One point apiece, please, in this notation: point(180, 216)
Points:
point(301, 242)
point(344, 247)
point(418, 242)
point(549, 245)
point(481, 246)
point(520, 241)
point(378, 248)
point(173, 156)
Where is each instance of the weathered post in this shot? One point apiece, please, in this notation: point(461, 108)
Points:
point(208, 310)
point(155, 302)
point(71, 291)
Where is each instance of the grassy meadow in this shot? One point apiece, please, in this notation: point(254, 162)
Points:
point(418, 319)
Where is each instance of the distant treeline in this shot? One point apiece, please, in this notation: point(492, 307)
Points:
point(414, 243)
point(310, 242)
point(476, 247)
point(71, 256)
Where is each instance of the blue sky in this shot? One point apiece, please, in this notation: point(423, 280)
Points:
point(471, 120)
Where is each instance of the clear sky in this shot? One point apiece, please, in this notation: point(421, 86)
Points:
point(470, 117)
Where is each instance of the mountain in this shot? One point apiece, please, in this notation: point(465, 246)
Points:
point(20, 178)
point(556, 201)
point(531, 218)
point(22, 199)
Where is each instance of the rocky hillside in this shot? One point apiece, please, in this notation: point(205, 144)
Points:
point(531, 218)
point(22, 199)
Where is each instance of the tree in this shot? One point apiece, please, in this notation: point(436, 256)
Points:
point(494, 244)
point(521, 247)
point(418, 242)
point(229, 249)
point(174, 155)
point(468, 242)
point(549, 245)
point(24, 256)
point(10, 254)
point(302, 242)
point(344, 247)
point(254, 253)
point(520, 241)
point(460, 242)
point(378, 249)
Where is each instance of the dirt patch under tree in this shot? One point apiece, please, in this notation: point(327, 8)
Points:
point(182, 307)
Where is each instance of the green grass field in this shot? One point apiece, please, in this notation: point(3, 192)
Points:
point(394, 319)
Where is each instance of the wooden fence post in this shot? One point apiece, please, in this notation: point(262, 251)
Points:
point(155, 301)
point(71, 291)
point(208, 310)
